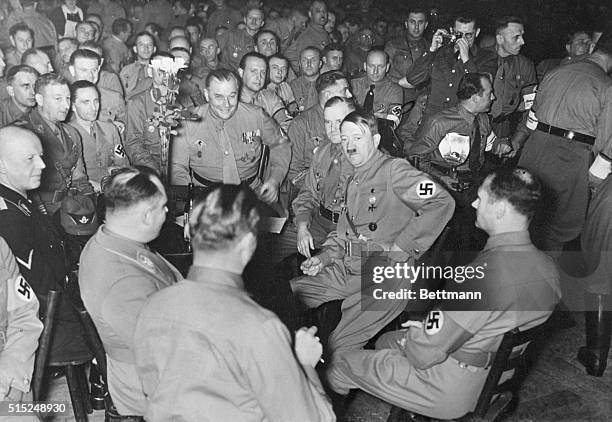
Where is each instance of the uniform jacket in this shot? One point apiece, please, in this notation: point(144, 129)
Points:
point(19, 325)
point(112, 106)
point(307, 133)
point(452, 120)
point(402, 54)
point(201, 146)
point(578, 97)
point(226, 16)
point(142, 141)
point(390, 202)
point(131, 76)
point(272, 105)
point(102, 149)
point(443, 70)
point(255, 375)
point(116, 52)
point(305, 93)
point(515, 76)
point(318, 189)
point(66, 152)
point(234, 44)
point(9, 112)
point(314, 36)
point(387, 94)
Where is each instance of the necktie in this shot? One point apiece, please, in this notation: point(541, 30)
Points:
point(332, 178)
point(230, 169)
point(368, 103)
point(73, 17)
point(474, 155)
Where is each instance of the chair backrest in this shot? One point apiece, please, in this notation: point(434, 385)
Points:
point(44, 344)
point(510, 365)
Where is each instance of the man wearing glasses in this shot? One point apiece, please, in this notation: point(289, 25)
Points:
point(449, 58)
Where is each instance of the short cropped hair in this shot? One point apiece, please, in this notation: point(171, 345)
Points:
point(223, 217)
point(129, 186)
point(466, 18)
point(49, 79)
point(154, 27)
point(332, 47)
point(277, 56)
point(144, 34)
point(518, 186)
point(363, 120)
point(328, 79)
point(120, 25)
point(20, 27)
point(221, 75)
point(312, 48)
point(250, 54)
point(263, 32)
point(20, 68)
point(350, 103)
point(503, 22)
point(82, 84)
point(471, 84)
point(380, 50)
point(83, 53)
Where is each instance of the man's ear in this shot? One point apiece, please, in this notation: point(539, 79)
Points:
point(426, 24)
point(10, 90)
point(135, 50)
point(365, 66)
point(39, 99)
point(387, 68)
point(499, 39)
point(477, 33)
point(568, 48)
point(206, 95)
point(376, 139)
point(12, 39)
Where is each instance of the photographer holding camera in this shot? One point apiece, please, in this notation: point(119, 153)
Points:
point(450, 56)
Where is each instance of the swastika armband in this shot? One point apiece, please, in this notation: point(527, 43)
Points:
point(23, 289)
point(426, 189)
point(434, 322)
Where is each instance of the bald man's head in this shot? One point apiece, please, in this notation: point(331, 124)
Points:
point(21, 163)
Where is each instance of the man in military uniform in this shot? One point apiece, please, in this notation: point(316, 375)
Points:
point(142, 140)
point(38, 59)
point(303, 87)
point(134, 74)
point(102, 147)
point(222, 15)
point(85, 66)
point(314, 35)
point(253, 70)
point(445, 63)
point(225, 146)
point(22, 39)
point(375, 91)
point(307, 131)
point(243, 375)
point(209, 54)
point(515, 78)
point(61, 143)
point(317, 206)
point(332, 58)
point(403, 52)
point(21, 80)
point(34, 239)
point(116, 51)
point(19, 330)
point(578, 43)
point(118, 272)
point(570, 122)
point(278, 69)
point(389, 206)
point(437, 367)
point(235, 43)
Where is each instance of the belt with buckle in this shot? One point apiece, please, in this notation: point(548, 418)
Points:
point(352, 248)
point(477, 360)
point(203, 181)
point(329, 214)
point(567, 134)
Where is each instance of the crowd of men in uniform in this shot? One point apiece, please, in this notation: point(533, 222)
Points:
point(372, 143)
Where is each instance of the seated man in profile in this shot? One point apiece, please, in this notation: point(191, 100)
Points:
point(438, 367)
point(205, 350)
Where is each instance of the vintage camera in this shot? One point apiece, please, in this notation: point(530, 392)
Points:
point(452, 37)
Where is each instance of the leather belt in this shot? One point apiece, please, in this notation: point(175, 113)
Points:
point(329, 214)
point(203, 181)
point(52, 197)
point(447, 171)
point(477, 360)
point(567, 134)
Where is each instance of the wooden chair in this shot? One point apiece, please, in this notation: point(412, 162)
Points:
point(499, 395)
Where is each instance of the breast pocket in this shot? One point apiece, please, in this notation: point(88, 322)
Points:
point(371, 208)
